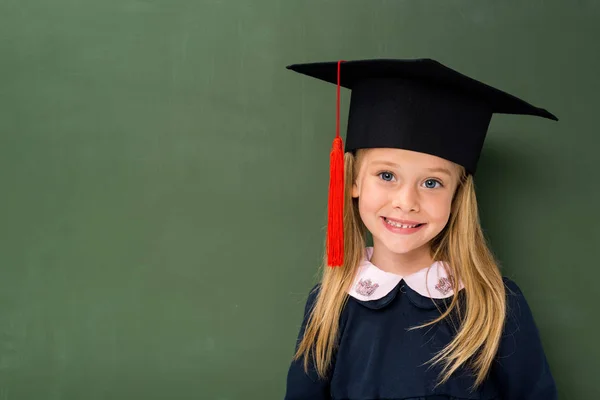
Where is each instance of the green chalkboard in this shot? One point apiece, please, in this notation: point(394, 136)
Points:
point(164, 180)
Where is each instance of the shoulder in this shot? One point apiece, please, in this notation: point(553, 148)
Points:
point(515, 298)
point(519, 317)
point(521, 368)
point(514, 294)
point(511, 286)
point(311, 301)
point(312, 298)
point(314, 292)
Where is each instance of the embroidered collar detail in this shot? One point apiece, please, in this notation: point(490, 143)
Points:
point(372, 283)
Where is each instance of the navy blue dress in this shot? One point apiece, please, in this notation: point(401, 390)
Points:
point(378, 358)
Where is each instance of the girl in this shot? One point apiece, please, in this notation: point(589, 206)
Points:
point(425, 312)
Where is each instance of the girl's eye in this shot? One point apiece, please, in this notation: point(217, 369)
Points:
point(386, 176)
point(430, 183)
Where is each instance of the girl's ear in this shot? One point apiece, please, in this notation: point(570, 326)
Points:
point(355, 190)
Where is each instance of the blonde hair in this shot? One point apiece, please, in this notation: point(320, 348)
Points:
point(478, 316)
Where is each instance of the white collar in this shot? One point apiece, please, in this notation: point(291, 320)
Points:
point(372, 283)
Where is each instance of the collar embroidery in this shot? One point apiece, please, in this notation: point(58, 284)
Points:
point(444, 285)
point(365, 287)
point(372, 283)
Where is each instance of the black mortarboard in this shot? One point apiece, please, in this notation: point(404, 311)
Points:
point(418, 105)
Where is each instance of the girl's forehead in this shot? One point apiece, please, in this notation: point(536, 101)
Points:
point(404, 158)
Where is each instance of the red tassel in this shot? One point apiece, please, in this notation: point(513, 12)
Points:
point(335, 226)
point(335, 223)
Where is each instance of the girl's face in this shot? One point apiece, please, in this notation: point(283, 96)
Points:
point(404, 197)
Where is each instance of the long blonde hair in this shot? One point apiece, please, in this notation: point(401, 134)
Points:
point(478, 318)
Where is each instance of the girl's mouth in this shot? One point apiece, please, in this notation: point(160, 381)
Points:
point(401, 227)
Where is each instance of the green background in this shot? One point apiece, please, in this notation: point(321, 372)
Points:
point(164, 177)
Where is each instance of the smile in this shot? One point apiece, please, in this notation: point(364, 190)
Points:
point(401, 227)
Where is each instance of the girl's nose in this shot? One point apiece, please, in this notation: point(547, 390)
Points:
point(406, 199)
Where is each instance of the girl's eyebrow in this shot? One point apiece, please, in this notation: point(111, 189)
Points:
point(394, 165)
point(440, 169)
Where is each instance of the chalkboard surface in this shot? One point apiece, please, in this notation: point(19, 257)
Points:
point(164, 180)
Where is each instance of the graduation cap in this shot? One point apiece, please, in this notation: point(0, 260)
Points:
point(419, 105)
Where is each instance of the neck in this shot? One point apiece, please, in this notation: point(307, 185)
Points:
point(402, 264)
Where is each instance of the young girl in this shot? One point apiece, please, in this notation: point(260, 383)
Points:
point(425, 312)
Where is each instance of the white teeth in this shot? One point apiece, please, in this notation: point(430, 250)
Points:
point(397, 225)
